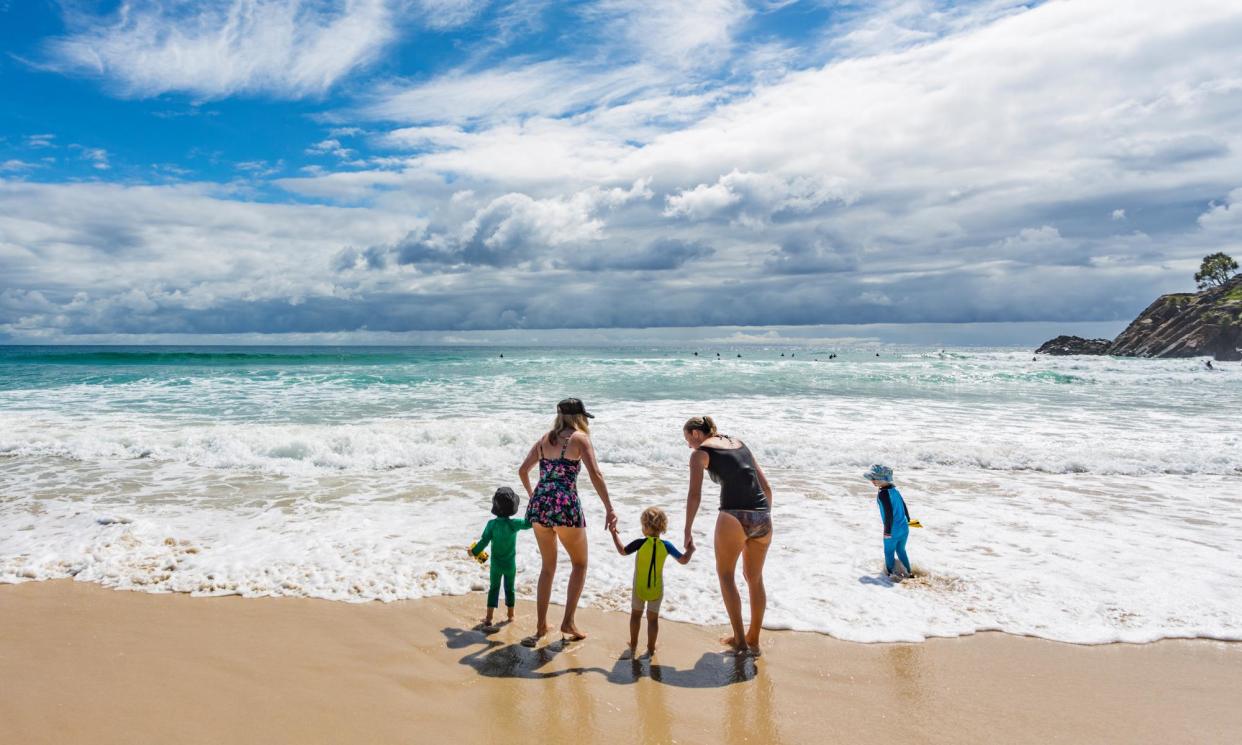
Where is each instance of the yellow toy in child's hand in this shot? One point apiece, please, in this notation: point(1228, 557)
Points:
point(481, 557)
point(915, 524)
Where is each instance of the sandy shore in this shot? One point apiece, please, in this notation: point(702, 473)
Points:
point(82, 664)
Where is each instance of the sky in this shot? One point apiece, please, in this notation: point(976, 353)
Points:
point(430, 169)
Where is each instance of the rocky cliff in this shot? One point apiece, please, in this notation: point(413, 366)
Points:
point(1179, 325)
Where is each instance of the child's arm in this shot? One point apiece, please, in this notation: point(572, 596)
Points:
point(482, 544)
point(616, 540)
point(886, 508)
point(679, 556)
point(520, 523)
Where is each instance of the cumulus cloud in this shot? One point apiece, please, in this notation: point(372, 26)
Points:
point(288, 48)
point(754, 198)
point(955, 166)
point(1225, 217)
point(509, 230)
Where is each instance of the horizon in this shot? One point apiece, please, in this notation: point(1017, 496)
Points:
point(422, 169)
point(997, 335)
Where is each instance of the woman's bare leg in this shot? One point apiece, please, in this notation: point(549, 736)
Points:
point(575, 542)
point(730, 539)
point(753, 556)
point(546, 538)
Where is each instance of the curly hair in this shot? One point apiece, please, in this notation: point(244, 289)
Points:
point(654, 521)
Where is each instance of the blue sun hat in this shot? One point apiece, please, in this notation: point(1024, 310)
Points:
point(879, 473)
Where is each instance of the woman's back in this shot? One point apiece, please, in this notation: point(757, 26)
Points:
point(566, 447)
point(734, 469)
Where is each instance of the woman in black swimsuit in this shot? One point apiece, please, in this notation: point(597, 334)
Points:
point(744, 526)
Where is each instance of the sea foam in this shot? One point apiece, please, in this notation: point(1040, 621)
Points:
point(1083, 500)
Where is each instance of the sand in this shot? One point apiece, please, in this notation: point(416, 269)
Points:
point(84, 664)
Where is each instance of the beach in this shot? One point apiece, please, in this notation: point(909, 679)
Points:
point(268, 545)
point(84, 664)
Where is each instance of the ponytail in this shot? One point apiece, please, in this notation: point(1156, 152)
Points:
point(567, 421)
point(702, 424)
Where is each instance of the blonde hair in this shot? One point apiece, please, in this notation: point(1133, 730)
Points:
point(702, 424)
point(654, 521)
point(567, 421)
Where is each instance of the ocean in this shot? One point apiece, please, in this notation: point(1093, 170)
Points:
point(1086, 500)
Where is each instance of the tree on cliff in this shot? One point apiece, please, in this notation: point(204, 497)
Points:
point(1215, 270)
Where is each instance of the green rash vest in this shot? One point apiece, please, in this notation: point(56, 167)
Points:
point(501, 532)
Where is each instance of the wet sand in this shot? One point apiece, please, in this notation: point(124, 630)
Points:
point(83, 664)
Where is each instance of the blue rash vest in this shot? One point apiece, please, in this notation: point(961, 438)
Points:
point(893, 511)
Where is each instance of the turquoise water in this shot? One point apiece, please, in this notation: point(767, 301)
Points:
point(358, 473)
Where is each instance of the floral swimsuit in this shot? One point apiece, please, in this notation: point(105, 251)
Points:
point(555, 501)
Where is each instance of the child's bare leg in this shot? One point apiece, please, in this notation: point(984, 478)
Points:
point(653, 630)
point(510, 612)
point(636, 621)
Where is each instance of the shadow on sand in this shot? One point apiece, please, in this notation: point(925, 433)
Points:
point(495, 659)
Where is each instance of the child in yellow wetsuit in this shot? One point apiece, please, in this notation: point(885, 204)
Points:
point(502, 534)
point(649, 574)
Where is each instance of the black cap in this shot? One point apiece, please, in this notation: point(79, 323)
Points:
point(505, 502)
point(573, 406)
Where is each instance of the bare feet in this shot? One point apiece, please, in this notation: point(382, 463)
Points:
point(570, 633)
point(533, 639)
point(628, 654)
point(650, 652)
point(743, 648)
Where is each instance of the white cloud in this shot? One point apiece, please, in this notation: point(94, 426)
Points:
point(16, 165)
point(1119, 214)
point(288, 48)
point(447, 14)
point(701, 202)
point(1225, 217)
point(753, 198)
point(330, 146)
point(96, 155)
point(548, 88)
point(956, 170)
point(687, 33)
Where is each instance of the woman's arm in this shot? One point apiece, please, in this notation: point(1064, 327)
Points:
point(763, 482)
point(597, 478)
point(698, 462)
point(524, 470)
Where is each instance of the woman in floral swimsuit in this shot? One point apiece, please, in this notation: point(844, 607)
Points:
point(555, 511)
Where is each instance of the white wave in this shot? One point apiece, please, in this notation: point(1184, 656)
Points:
point(1130, 559)
point(1079, 499)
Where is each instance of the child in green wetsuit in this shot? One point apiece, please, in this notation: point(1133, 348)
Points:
point(649, 574)
point(502, 534)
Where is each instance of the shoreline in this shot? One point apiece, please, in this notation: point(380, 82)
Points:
point(86, 664)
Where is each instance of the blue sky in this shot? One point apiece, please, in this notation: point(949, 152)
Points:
point(379, 169)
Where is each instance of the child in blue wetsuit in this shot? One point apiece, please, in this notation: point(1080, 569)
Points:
point(896, 519)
